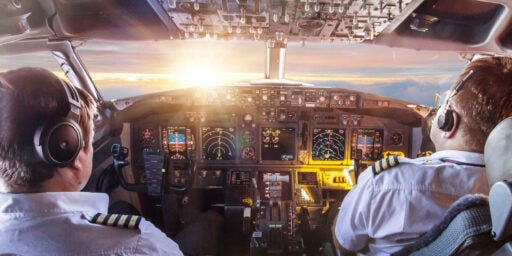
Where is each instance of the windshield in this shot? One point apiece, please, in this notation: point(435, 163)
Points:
point(130, 68)
point(124, 69)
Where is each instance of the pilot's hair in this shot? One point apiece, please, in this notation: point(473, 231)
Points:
point(485, 99)
point(29, 97)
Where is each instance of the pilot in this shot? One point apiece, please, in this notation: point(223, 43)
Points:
point(397, 199)
point(46, 132)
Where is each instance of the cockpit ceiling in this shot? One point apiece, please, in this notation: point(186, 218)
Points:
point(458, 25)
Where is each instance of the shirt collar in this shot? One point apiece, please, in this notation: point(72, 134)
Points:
point(53, 202)
point(461, 156)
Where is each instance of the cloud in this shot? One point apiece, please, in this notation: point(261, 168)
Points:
point(408, 90)
point(120, 85)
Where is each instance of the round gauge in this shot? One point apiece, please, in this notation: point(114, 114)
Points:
point(396, 139)
point(248, 153)
point(248, 119)
point(328, 144)
point(218, 143)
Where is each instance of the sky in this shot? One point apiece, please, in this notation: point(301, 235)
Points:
point(123, 69)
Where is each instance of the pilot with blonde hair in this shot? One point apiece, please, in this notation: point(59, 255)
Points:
point(397, 199)
point(46, 133)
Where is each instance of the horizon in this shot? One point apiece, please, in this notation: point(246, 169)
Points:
point(124, 69)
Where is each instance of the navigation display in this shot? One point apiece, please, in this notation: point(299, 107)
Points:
point(328, 144)
point(278, 144)
point(367, 144)
point(218, 143)
point(175, 140)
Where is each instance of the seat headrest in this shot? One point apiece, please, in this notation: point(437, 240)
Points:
point(498, 152)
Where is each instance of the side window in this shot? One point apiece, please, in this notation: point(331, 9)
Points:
point(36, 59)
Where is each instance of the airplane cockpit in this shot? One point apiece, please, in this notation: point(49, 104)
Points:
point(277, 160)
point(275, 157)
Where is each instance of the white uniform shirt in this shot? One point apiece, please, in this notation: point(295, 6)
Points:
point(56, 223)
point(385, 212)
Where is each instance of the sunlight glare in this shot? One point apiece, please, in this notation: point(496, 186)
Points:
point(205, 66)
point(200, 73)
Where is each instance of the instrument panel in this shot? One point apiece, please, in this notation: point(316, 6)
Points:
point(271, 155)
point(278, 143)
point(324, 131)
point(218, 143)
point(177, 141)
point(275, 144)
point(328, 144)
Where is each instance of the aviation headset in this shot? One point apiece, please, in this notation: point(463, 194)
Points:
point(445, 120)
point(59, 141)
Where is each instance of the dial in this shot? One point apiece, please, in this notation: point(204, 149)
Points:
point(328, 144)
point(248, 153)
point(218, 143)
point(396, 139)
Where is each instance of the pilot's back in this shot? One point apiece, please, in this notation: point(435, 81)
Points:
point(71, 223)
point(399, 199)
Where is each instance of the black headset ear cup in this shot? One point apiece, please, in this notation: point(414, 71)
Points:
point(445, 120)
point(58, 142)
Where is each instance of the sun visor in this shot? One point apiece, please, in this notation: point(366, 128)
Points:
point(113, 20)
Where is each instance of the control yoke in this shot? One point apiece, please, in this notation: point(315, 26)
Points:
point(119, 153)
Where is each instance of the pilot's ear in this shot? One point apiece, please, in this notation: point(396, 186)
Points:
point(450, 133)
point(77, 162)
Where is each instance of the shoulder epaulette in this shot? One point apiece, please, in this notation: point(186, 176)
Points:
point(117, 220)
point(384, 163)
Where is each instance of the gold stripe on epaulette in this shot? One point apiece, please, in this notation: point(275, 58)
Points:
point(122, 220)
point(393, 160)
point(111, 219)
point(384, 164)
point(117, 220)
point(100, 218)
point(134, 222)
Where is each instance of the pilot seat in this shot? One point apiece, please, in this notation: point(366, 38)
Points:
point(478, 224)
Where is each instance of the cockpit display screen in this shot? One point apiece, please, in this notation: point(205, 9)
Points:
point(367, 144)
point(278, 143)
point(175, 141)
point(218, 143)
point(328, 144)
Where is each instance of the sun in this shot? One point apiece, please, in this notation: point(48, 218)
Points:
point(202, 72)
point(201, 66)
